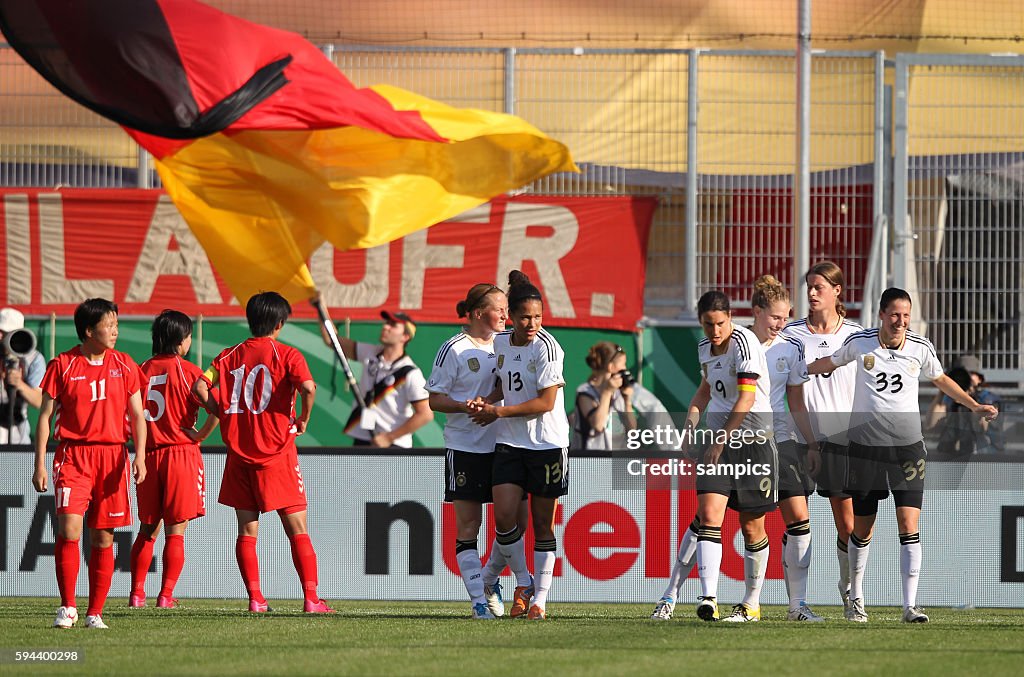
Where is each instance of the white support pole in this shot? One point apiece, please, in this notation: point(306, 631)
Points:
point(802, 171)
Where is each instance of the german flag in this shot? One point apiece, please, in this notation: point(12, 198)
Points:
point(266, 148)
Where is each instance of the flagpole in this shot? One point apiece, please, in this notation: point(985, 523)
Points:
point(336, 344)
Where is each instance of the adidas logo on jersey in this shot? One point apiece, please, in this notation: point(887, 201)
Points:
point(823, 344)
point(892, 357)
point(517, 358)
point(718, 365)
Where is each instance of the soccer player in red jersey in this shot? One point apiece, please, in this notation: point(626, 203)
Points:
point(90, 391)
point(257, 381)
point(176, 490)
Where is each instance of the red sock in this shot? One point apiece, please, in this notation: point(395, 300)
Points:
point(67, 559)
point(304, 559)
point(142, 557)
point(174, 560)
point(249, 565)
point(101, 571)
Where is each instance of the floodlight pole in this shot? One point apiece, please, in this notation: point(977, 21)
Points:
point(802, 173)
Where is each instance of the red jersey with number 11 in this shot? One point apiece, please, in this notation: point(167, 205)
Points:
point(256, 382)
point(168, 399)
point(91, 398)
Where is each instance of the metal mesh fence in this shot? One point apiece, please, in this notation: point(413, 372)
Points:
point(964, 210)
point(48, 140)
point(637, 119)
point(745, 194)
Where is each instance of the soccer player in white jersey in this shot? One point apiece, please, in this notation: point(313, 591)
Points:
point(532, 438)
point(886, 445)
point(829, 398)
point(788, 373)
point(464, 370)
point(797, 463)
point(734, 388)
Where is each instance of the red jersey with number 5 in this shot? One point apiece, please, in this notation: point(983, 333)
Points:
point(91, 398)
point(168, 399)
point(257, 381)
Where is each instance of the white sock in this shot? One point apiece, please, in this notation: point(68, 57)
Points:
point(755, 564)
point(469, 567)
point(785, 569)
point(843, 555)
point(910, 567)
point(543, 572)
point(495, 564)
point(514, 551)
point(796, 558)
point(685, 560)
point(858, 563)
point(709, 559)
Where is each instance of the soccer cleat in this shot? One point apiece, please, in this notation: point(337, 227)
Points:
point(844, 593)
point(857, 614)
point(317, 607)
point(136, 601)
point(481, 612)
point(536, 614)
point(707, 609)
point(165, 602)
point(259, 607)
point(95, 623)
point(521, 600)
point(914, 614)
point(67, 616)
point(804, 613)
point(494, 601)
point(663, 609)
point(741, 613)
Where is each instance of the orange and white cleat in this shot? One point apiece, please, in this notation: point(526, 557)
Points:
point(521, 600)
point(536, 614)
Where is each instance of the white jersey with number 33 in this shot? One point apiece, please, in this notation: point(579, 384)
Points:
point(886, 411)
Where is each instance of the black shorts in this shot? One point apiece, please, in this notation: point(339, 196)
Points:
point(756, 490)
point(467, 476)
point(875, 471)
point(831, 477)
point(542, 472)
point(793, 477)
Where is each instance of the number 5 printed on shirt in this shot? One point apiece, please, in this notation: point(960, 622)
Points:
point(156, 396)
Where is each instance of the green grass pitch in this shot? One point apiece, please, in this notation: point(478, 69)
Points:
point(217, 637)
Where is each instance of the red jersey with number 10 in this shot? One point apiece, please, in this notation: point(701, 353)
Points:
point(256, 382)
point(168, 399)
point(91, 399)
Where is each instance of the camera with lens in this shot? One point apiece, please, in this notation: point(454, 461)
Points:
point(627, 378)
point(17, 344)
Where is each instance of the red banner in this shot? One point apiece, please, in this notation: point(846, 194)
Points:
point(586, 254)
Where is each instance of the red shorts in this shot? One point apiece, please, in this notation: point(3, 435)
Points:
point(175, 486)
point(93, 477)
point(275, 486)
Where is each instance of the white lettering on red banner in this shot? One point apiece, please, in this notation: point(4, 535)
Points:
point(586, 254)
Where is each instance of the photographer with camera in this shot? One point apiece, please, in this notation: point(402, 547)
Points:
point(22, 372)
point(608, 390)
